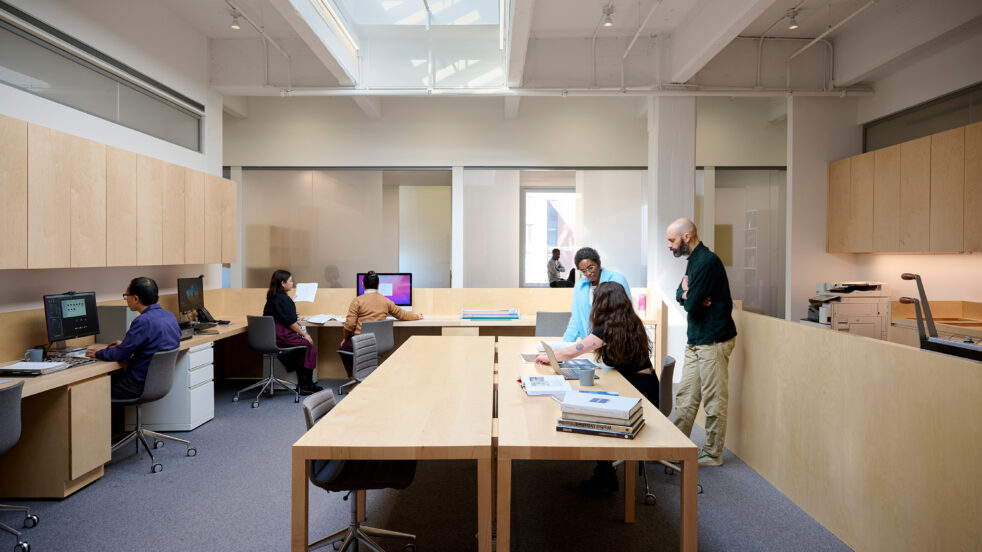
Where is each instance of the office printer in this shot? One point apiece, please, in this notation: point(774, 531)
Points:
point(861, 308)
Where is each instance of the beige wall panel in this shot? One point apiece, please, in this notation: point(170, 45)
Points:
point(875, 440)
point(886, 199)
point(214, 210)
point(120, 207)
point(862, 172)
point(973, 187)
point(839, 211)
point(229, 225)
point(194, 217)
point(915, 195)
point(88, 197)
point(948, 190)
point(49, 201)
point(173, 214)
point(149, 221)
point(13, 190)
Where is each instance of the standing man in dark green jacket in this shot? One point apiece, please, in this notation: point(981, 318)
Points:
point(705, 295)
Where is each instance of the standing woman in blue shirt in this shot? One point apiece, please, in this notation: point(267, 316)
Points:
point(289, 332)
point(587, 261)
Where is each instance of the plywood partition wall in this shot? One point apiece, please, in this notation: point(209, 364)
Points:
point(879, 442)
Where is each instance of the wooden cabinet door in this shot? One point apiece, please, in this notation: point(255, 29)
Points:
point(194, 217)
point(886, 199)
point(49, 203)
point(862, 170)
point(87, 160)
point(121, 207)
point(973, 187)
point(173, 214)
point(230, 206)
point(915, 195)
point(214, 210)
point(948, 190)
point(13, 190)
point(839, 212)
point(149, 214)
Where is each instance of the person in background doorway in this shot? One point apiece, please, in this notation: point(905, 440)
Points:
point(704, 293)
point(588, 263)
point(556, 271)
point(289, 332)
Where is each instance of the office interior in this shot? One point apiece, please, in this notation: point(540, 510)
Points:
point(406, 136)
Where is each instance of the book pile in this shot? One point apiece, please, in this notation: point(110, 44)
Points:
point(605, 415)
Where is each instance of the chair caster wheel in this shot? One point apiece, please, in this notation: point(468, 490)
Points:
point(23, 547)
point(336, 545)
point(192, 451)
point(669, 471)
point(296, 399)
point(156, 468)
point(157, 443)
point(409, 548)
point(31, 521)
point(255, 404)
point(649, 499)
point(235, 398)
point(698, 488)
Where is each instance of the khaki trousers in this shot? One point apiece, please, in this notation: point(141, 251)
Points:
point(705, 378)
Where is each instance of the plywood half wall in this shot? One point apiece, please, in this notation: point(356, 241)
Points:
point(879, 442)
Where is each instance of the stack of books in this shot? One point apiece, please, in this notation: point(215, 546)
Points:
point(605, 415)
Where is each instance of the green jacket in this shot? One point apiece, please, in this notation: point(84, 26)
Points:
point(707, 279)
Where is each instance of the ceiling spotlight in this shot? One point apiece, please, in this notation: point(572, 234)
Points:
point(608, 11)
point(235, 20)
point(791, 14)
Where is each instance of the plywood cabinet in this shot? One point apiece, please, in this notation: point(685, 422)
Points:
point(172, 215)
point(120, 207)
point(87, 182)
point(886, 199)
point(861, 203)
point(49, 204)
point(948, 190)
point(214, 209)
point(973, 187)
point(229, 241)
point(194, 217)
point(13, 190)
point(915, 195)
point(149, 215)
point(838, 206)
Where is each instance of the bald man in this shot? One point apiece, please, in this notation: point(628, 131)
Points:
point(705, 295)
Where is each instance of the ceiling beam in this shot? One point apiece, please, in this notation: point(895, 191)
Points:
point(708, 28)
point(324, 39)
point(517, 43)
point(236, 106)
point(371, 105)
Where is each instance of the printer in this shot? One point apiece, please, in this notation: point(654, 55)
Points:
point(861, 308)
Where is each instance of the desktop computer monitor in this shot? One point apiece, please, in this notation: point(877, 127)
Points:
point(190, 294)
point(70, 315)
point(397, 286)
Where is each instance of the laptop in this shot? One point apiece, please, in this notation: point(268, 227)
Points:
point(32, 368)
point(571, 368)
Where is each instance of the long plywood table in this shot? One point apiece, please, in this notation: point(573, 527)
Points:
point(430, 400)
point(527, 431)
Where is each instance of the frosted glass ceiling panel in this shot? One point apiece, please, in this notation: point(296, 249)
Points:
point(413, 12)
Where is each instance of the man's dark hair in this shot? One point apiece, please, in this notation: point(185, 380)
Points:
point(371, 280)
point(586, 253)
point(556, 250)
point(145, 289)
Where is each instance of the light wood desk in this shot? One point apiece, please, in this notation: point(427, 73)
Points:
point(430, 400)
point(527, 431)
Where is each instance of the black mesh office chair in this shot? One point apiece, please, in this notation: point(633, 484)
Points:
point(9, 435)
point(352, 476)
point(364, 360)
point(551, 324)
point(262, 338)
point(160, 378)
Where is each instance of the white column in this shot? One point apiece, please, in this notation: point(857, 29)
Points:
point(457, 227)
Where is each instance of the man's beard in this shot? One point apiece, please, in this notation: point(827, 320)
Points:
point(682, 250)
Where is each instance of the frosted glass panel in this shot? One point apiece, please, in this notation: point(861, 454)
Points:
point(611, 212)
point(140, 111)
point(491, 227)
point(424, 234)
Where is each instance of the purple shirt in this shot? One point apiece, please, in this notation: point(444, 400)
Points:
point(153, 331)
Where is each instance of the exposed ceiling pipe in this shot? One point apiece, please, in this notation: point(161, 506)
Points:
point(829, 31)
point(829, 64)
point(634, 39)
point(760, 46)
point(659, 90)
point(266, 39)
point(594, 39)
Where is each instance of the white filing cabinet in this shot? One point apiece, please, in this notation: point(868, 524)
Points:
point(191, 401)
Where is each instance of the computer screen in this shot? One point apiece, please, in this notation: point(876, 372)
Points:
point(190, 294)
point(70, 315)
point(397, 286)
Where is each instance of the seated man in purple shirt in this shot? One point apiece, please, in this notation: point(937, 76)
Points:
point(154, 330)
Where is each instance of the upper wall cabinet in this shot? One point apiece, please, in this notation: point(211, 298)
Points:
point(71, 202)
point(919, 196)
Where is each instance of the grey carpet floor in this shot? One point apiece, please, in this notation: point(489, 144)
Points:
point(235, 495)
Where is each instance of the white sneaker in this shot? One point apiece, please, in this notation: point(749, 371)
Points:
point(706, 460)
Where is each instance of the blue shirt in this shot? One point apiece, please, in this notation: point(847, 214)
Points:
point(153, 331)
point(579, 320)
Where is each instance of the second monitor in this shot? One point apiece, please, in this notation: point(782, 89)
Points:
point(397, 286)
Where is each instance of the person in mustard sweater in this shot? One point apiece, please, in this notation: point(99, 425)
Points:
point(369, 307)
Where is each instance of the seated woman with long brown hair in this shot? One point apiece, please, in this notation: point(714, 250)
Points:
point(617, 338)
point(289, 332)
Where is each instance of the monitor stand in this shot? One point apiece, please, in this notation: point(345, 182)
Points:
point(59, 348)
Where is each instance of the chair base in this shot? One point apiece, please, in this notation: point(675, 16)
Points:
point(30, 520)
point(268, 383)
point(344, 387)
point(357, 533)
point(140, 436)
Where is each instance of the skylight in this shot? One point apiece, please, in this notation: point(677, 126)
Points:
point(414, 12)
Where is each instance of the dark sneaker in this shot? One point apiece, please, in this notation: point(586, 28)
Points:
point(310, 389)
point(603, 481)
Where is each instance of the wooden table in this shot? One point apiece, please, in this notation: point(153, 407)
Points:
point(430, 400)
point(527, 431)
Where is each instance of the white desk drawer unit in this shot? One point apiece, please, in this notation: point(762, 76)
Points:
point(191, 401)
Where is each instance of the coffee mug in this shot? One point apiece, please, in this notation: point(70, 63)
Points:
point(34, 355)
point(586, 376)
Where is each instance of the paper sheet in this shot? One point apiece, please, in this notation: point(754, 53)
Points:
point(321, 318)
point(305, 292)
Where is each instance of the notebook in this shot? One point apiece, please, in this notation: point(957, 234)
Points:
point(32, 368)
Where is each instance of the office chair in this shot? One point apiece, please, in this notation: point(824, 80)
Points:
point(9, 435)
point(352, 476)
point(384, 339)
point(665, 405)
point(364, 359)
point(262, 338)
point(160, 378)
point(551, 324)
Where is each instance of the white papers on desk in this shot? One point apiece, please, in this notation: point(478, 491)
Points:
point(556, 345)
point(528, 358)
point(321, 318)
point(544, 385)
point(305, 293)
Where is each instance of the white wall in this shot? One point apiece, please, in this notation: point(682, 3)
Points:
point(738, 132)
point(945, 277)
point(491, 228)
point(424, 234)
point(609, 218)
point(443, 131)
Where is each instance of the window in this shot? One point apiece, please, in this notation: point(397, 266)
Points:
point(947, 112)
point(549, 222)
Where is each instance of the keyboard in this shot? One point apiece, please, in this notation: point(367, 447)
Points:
point(76, 361)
